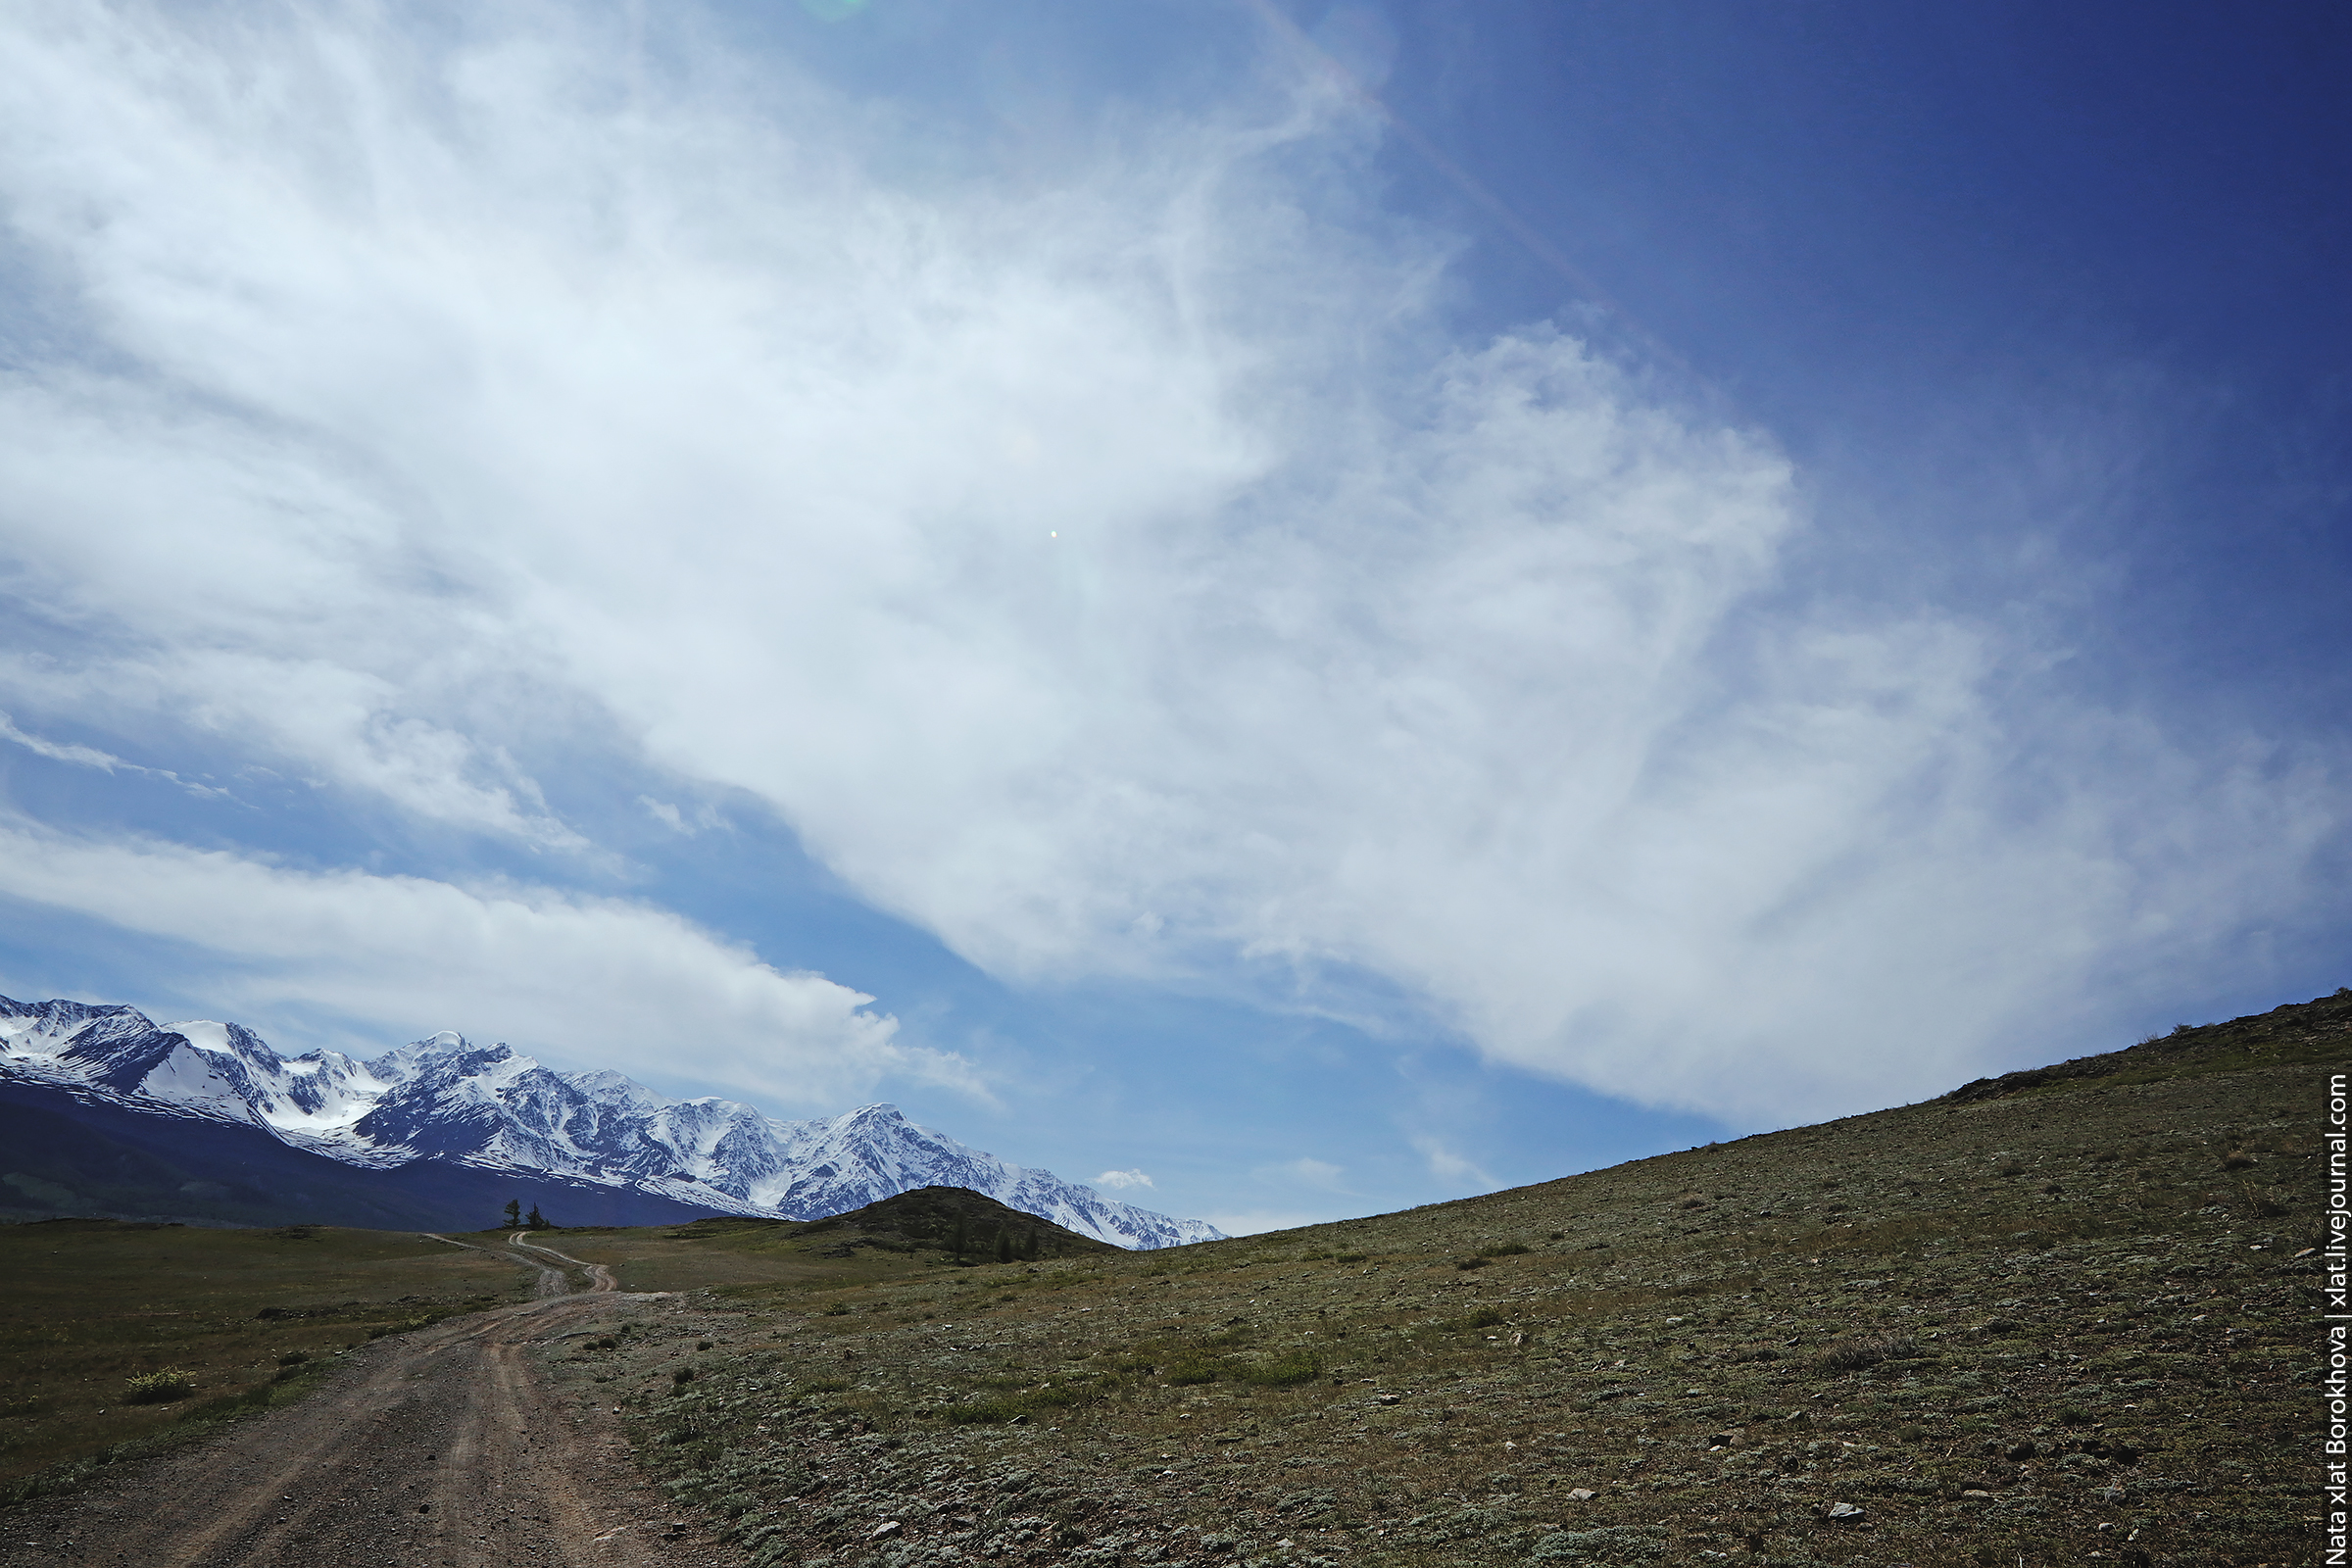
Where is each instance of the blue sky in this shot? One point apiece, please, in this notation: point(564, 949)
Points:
point(1336, 605)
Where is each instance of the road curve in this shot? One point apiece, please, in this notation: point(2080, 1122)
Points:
point(600, 1277)
point(443, 1446)
point(553, 1281)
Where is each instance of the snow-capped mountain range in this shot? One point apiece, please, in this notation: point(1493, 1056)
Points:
point(485, 1107)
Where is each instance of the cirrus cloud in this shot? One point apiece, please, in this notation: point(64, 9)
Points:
point(1113, 573)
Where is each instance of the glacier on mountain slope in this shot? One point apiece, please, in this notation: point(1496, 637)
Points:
point(445, 1098)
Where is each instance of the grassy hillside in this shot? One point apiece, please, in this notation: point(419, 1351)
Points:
point(241, 1316)
point(2034, 1321)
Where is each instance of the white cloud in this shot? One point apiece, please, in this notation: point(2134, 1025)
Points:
point(1124, 1179)
point(60, 752)
point(1451, 1168)
point(1106, 572)
point(1305, 1171)
point(597, 982)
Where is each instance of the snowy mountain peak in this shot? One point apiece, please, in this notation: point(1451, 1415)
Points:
point(444, 1097)
point(446, 1052)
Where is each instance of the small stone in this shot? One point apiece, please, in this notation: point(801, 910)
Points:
point(1844, 1510)
point(1583, 1494)
point(888, 1526)
point(1972, 1494)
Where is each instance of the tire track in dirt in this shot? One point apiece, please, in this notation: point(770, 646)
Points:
point(444, 1447)
point(600, 1277)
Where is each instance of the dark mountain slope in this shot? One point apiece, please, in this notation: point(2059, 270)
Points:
point(60, 1154)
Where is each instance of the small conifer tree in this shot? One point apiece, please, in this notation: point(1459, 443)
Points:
point(513, 1213)
point(536, 1220)
point(1004, 1245)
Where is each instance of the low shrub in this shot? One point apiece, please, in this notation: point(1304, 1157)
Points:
point(1613, 1545)
point(159, 1388)
point(1854, 1354)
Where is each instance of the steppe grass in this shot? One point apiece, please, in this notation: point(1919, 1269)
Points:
point(2039, 1327)
point(116, 1336)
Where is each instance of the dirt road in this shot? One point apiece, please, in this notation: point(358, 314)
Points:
point(444, 1447)
point(600, 1277)
point(551, 1281)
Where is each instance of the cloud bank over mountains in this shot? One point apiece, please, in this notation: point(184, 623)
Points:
point(1110, 568)
point(617, 982)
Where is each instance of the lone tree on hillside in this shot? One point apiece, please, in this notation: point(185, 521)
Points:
point(536, 1220)
point(513, 1212)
